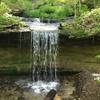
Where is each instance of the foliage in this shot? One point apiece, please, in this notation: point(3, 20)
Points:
point(98, 56)
point(3, 8)
point(91, 3)
point(7, 19)
point(49, 11)
point(21, 5)
point(18, 4)
point(56, 9)
point(62, 8)
point(88, 24)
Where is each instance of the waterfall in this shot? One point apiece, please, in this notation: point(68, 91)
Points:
point(44, 50)
point(44, 43)
point(44, 54)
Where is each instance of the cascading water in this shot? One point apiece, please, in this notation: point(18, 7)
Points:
point(44, 54)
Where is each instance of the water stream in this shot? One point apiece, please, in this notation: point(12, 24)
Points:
point(44, 54)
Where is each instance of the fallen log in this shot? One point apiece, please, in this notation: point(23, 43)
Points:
point(50, 95)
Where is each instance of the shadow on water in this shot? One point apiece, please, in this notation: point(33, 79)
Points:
point(15, 55)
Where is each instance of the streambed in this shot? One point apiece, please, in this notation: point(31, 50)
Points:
point(77, 86)
point(11, 90)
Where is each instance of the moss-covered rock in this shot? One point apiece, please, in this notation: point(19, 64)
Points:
point(7, 20)
point(88, 24)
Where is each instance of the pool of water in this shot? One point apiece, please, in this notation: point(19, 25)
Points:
point(15, 88)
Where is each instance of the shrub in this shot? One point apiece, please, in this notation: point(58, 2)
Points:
point(59, 9)
point(3, 8)
point(7, 19)
point(86, 25)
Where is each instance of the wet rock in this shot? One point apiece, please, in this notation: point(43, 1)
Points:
point(9, 91)
point(50, 95)
point(66, 90)
point(17, 12)
point(86, 87)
